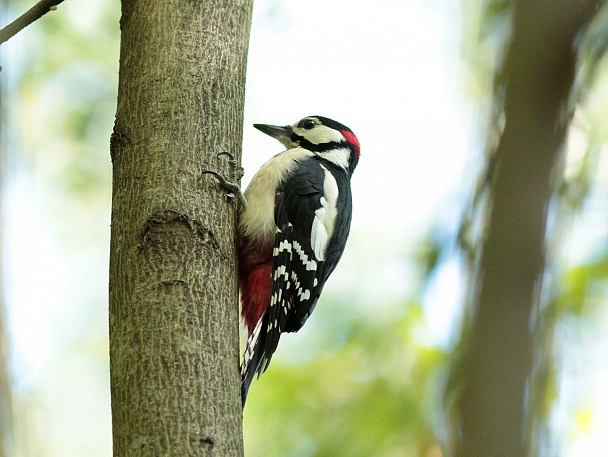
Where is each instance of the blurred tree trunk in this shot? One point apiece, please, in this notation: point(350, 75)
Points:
point(174, 338)
point(536, 82)
point(6, 398)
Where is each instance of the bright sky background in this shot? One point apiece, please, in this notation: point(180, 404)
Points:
point(390, 70)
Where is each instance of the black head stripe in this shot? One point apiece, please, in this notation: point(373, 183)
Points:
point(322, 147)
point(332, 124)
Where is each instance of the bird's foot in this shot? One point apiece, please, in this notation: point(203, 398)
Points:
point(232, 183)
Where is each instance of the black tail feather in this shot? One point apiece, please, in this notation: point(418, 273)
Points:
point(254, 353)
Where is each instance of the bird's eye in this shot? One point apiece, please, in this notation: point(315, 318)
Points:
point(308, 124)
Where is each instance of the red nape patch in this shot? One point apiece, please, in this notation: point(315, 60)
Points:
point(255, 294)
point(352, 139)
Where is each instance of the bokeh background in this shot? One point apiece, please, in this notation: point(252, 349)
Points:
point(367, 375)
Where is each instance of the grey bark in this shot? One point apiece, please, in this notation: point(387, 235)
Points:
point(174, 340)
point(537, 80)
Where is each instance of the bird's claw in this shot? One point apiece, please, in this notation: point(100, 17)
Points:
point(237, 173)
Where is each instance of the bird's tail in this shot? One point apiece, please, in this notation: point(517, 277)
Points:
point(253, 356)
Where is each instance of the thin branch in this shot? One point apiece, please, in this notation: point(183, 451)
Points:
point(33, 14)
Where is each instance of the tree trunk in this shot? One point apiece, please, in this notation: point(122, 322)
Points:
point(6, 397)
point(538, 76)
point(174, 339)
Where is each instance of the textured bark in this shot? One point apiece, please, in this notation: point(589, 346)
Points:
point(174, 340)
point(538, 77)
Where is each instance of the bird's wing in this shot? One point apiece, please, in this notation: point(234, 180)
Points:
point(299, 245)
point(301, 238)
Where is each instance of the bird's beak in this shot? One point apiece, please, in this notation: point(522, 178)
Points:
point(283, 134)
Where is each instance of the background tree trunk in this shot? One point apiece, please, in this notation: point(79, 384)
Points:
point(536, 82)
point(174, 339)
point(6, 397)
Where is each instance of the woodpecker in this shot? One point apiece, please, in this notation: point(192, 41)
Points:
point(292, 232)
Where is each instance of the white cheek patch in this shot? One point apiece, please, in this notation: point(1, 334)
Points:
point(320, 134)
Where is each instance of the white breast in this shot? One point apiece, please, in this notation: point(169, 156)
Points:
point(257, 221)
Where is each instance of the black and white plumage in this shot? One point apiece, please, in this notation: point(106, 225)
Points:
point(293, 232)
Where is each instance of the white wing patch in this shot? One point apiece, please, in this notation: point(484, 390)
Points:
point(318, 235)
point(325, 217)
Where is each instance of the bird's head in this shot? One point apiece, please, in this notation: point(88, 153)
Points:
point(324, 137)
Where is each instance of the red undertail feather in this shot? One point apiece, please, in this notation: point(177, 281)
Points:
point(254, 278)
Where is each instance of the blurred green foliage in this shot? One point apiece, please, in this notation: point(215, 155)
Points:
point(59, 98)
point(368, 389)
